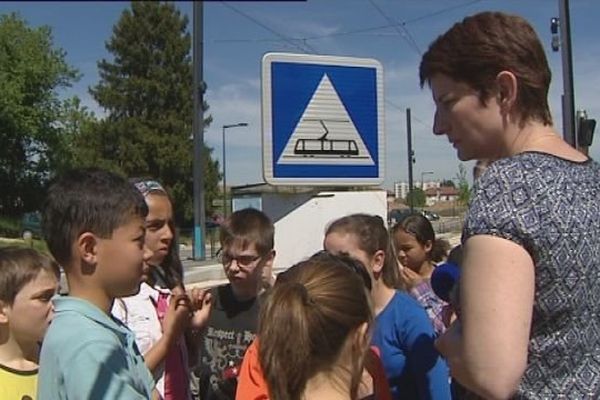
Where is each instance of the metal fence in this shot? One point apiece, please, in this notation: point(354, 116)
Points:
point(448, 224)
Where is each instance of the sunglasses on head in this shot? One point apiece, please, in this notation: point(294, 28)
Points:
point(350, 263)
point(145, 187)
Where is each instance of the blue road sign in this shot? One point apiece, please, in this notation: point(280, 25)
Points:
point(322, 120)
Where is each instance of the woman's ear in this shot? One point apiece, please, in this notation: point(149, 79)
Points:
point(4, 311)
point(507, 90)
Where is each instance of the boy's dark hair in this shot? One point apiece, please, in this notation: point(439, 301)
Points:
point(18, 267)
point(248, 226)
point(87, 200)
point(475, 50)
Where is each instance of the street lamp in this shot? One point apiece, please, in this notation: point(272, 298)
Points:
point(240, 124)
point(422, 175)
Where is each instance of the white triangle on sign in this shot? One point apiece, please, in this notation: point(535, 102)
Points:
point(325, 134)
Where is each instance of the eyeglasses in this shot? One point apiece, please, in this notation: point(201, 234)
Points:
point(226, 258)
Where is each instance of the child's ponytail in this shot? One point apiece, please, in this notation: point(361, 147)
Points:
point(305, 324)
point(285, 341)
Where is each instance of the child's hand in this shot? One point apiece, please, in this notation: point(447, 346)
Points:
point(449, 340)
point(177, 317)
point(448, 315)
point(454, 299)
point(410, 277)
point(201, 301)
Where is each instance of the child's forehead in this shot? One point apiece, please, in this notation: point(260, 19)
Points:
point(240, 244)
point(133, 222)
point(41, 280)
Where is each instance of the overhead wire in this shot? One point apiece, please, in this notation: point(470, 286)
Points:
point(287, 39)
point(400, 28)
point(342, 33)
point(411, 42)
point(442, 11)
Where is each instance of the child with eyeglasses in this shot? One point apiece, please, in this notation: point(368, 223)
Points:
point(247, 239)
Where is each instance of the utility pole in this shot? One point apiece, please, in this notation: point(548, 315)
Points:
point(199, 248)
point(568, 97)
point(578, 130)
point(411, 160)
point(585, 131)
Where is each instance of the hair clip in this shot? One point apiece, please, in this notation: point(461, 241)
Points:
point(145, 187)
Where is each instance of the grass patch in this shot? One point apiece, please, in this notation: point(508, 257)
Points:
point(36, 244)
point(10, 226)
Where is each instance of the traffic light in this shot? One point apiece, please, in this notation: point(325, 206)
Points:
point(554, 23)
point(585, 129)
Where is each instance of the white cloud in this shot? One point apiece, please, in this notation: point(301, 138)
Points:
point(304, 28)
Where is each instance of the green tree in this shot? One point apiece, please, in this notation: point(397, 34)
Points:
point(32, 70)
point(464, 191)
point(75, 121)
point(146, 91)
point(417, 197)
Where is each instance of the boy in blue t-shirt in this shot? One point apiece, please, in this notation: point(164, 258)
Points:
point(93, 223)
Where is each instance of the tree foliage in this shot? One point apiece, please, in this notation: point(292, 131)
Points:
point(146, 91)
point(464, 191)
point(32, 70)
point(75, 121)
point(417, 197)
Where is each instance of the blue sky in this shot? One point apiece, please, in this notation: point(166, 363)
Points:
point(237, 34)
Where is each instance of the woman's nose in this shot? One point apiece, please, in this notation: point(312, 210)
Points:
point(439, 124)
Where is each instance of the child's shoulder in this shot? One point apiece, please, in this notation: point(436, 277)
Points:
point(5, 370)
point(14, 383)
point(226, 305)
point(404, 308)
point(406, 301)
point(70, 335)
point(77, 322)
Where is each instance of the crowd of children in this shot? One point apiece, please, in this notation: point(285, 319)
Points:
point(371, 316)
point(128, 329)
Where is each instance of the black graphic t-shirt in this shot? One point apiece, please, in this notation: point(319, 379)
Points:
point(230, 330)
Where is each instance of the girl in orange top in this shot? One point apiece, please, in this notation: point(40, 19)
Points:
point(373, 383)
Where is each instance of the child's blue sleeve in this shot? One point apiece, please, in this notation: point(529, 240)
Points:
point(426, 364)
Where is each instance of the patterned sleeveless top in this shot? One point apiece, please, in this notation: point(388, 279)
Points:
point(551, 207)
